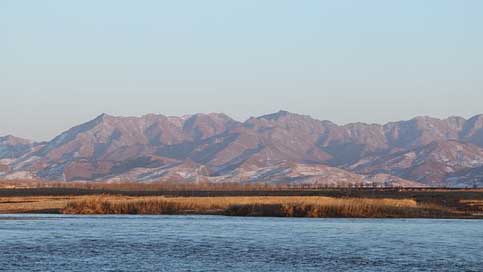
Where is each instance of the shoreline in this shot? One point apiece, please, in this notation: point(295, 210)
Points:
point(38, 216)
point(253, 206)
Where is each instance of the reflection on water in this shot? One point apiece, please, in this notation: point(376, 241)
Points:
point(211, 243)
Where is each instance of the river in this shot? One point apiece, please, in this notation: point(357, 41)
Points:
point(217, 243)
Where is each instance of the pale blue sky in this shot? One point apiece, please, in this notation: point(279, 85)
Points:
point(65, 62)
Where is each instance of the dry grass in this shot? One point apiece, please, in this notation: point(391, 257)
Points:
point(257, 206)
point(37, 204)
point(475, 204)
point(281, 206)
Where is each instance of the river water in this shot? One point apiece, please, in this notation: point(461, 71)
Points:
point(217, 243)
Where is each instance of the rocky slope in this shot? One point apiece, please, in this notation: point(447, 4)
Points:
point(279, 147)
point(13, 148)
point(430, 164)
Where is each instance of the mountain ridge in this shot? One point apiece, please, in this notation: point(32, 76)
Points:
point(157, 146)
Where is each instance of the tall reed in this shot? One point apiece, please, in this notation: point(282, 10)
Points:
point(258, 206)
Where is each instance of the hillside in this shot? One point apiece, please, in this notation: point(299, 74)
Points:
point(282, 147)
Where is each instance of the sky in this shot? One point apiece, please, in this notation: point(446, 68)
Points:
point(63, 63)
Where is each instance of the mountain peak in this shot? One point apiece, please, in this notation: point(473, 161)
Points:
point(10, 139)
point(12, 147)
point(424, 118)
point(212, 115)
point(280, 114)
point(476, 118)
point(103, 116)
point(150, 147)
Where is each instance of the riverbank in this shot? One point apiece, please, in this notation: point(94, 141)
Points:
point(276, 206)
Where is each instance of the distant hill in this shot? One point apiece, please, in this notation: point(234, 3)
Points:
point(282, 147)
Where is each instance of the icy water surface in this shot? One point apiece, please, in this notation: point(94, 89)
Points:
point(212, 243)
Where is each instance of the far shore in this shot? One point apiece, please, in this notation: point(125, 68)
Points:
point(356, 204)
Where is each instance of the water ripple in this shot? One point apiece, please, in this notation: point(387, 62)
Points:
point(211, 243)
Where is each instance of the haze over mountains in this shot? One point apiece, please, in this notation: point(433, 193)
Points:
point(281, 147)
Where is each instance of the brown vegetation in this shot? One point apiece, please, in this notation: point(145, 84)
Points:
point(475, 204)
point(259, 206)
point(238, 199)
point(33, 204)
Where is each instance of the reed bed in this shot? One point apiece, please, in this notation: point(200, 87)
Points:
point(258, 206)
point(473, 204)
point(36, 204)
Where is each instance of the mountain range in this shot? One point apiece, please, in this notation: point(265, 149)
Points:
point(282, 147)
